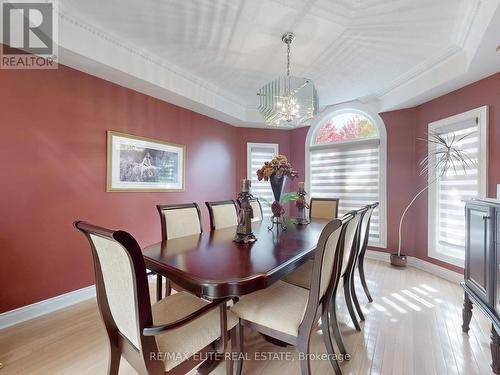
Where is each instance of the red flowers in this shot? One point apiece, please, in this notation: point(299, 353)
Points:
point(301, 203)
point(279, 166)
point(277, 208)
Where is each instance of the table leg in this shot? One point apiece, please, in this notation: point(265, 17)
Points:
point(466, 313)
point(274, 341)
point(159, 285)
point(209, 365)
point(495, 350)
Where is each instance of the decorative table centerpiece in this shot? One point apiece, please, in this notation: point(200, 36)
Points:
point(244, 232)
point(301, 205)
point(276, 172)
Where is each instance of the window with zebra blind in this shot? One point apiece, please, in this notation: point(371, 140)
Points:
point(346, 160)
point(257, 154)
point(447, 192)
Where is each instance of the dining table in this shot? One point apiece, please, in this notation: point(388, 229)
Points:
point(211, 265)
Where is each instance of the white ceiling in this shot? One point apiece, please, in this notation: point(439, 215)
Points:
point(213, 56)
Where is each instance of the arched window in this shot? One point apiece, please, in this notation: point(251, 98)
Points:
point(346, 159)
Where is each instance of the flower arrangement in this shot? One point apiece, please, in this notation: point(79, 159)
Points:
point(277, 208)
point(280, 166)
point(301, 203)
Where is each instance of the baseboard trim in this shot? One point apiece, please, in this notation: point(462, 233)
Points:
point(420, 264)
point(22, 314)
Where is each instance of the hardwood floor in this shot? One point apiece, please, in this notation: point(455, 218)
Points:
point(412, 327)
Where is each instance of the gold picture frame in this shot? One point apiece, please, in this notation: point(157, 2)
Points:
point(140, 164)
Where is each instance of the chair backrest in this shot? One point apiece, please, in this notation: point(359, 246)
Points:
point(179, 220)
point(121, 283)
point(257, 209)
point(327, 264)
point(351, 238)
point(223, 214)
point(365, 226)
point(323, 208)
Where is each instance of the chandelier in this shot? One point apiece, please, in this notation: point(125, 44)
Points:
point(288, 101)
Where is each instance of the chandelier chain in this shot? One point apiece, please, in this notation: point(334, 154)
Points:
point(288, 60)
point(288, 101)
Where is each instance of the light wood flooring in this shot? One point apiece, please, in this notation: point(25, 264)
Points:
point(412, 327)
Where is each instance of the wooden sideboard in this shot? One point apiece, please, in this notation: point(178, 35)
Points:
point(482, 268)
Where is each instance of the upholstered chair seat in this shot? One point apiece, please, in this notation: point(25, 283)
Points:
point(288, 312)
point(223, 214)
point(280, 307)
point(257, 210)
point(323, 208)
point(182, 222)
point(177, 220)
point(170, 337)
point(192, 337)
point(301, 276)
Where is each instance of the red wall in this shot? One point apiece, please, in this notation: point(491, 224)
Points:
point(255, 135)
point(478, 94)
point(53, 152)
point(404, 152)
point(53, 148)
point(400, 126)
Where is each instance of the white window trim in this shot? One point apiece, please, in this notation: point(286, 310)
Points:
point(275, 146)
point(482, 115)
point(250, 173)
point(365, 110)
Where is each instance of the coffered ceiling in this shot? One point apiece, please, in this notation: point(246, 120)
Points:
point(213, 56)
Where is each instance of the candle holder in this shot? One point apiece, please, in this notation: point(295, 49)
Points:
point(244, 232)
point(277, 223)
point(302, 206)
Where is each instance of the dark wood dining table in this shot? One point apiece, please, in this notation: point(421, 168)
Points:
point(212, 266)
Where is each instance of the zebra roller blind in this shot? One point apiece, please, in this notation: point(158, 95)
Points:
point(350, 172)
point(257, 154)
point(453, 188)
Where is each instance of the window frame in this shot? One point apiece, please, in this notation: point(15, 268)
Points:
point(317, 146)
point(447, 124)
point(250, 173)
point(373, 116)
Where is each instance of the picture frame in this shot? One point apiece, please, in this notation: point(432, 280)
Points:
point(140, 164)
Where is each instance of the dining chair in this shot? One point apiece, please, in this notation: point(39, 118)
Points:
point(287, 312)
point(301, 277)
point(365, 234)
point(257, 209)
point(319, 208)
point(173, 335)
point(349, 263)
point(323, 208)
point(177, 220)
point(223, 214)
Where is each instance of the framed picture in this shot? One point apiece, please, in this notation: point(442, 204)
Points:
point(137, 164)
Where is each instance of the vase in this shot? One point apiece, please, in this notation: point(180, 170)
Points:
point(277, 185)
point(398, 260)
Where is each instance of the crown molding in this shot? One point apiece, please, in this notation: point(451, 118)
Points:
point(97, 52)
point(453, 69)
point(94, 51)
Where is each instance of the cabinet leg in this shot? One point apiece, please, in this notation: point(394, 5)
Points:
point(495, 350)
point(466, 313)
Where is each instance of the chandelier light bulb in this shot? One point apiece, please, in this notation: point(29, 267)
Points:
point(288, 100)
